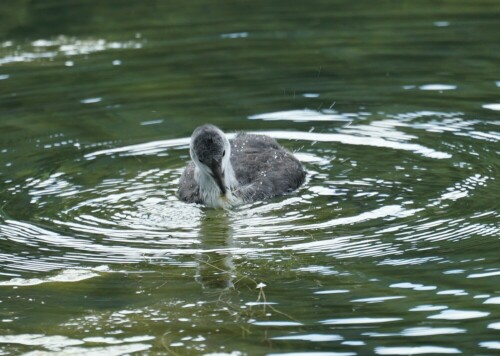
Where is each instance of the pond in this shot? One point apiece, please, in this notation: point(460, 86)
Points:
point(389, 248)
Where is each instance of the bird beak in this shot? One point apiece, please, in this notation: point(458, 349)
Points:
point(218, 175)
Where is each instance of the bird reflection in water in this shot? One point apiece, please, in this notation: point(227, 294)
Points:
point(216, 270)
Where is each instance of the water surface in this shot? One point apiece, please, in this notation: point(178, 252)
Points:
point(389, 248)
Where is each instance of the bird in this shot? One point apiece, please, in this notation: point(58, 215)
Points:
point(227, 173)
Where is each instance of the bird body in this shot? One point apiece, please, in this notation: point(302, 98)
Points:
point(227, 173)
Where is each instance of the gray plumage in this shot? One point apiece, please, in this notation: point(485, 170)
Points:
point(248, 168)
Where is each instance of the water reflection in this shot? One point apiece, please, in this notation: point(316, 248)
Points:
point(391, 246)
point(390, 239)
point(140, 218)
point(60, 47)
point(438, 87)
point(57, 343)
point(216, 270)
point(417, 350)
point(67, 275)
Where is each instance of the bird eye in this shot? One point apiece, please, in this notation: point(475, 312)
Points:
point(223, 153)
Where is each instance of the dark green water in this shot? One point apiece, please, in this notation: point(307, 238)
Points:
point(390, 248)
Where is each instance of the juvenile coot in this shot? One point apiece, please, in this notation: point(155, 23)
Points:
point(227, 173)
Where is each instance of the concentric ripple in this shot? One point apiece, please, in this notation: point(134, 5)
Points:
point(390, 247)
point(115, 210)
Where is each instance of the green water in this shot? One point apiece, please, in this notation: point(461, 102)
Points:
point(390, 247)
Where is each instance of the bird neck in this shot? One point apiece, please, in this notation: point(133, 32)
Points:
point(211, 194)
point(230, 178)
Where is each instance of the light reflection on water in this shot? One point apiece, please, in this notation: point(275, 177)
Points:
point(59, 47)
point(388, 248)
point(143, 210)
point(137, 219)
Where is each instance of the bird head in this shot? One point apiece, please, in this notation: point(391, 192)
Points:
point(210, 151)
